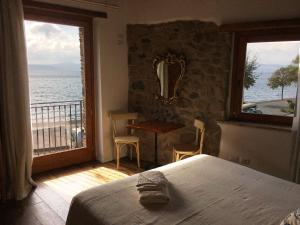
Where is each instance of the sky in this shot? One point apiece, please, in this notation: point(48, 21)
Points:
point(274, 52)
point(49, 43)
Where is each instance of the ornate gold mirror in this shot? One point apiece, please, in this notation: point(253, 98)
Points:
point(168, 70)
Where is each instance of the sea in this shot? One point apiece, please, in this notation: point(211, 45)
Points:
point(262, 92)
point(66, 85)
point(55, 83)
point(55, 88)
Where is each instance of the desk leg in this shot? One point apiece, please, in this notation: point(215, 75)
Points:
point(155, 149)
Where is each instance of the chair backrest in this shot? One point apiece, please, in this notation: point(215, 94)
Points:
point(115, 117)
point(200, 133)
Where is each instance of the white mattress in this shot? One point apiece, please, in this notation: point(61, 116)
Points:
point(204, 190)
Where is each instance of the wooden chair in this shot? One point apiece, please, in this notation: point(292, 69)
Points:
point(123, 140)
point(181, 151)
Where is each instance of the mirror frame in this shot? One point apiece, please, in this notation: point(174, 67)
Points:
point(169, 58)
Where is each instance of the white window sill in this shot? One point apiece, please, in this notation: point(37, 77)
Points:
point(255, 125)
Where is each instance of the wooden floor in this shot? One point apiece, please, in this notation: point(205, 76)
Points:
point(50, 201)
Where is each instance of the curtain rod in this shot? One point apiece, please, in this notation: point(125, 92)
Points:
point(261, 25)
point(102, 3)
point(35, 5)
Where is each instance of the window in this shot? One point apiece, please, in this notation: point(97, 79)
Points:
point(60, 65)
point(265, 74)
point(56, 79)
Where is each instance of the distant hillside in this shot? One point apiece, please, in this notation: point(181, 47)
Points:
point(63, 69)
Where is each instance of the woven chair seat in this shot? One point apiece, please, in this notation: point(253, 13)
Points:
point(186, 147)
point(126, 139)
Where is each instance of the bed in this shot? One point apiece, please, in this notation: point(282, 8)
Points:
point(203, 189)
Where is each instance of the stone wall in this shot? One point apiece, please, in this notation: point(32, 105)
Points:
point(202, 91)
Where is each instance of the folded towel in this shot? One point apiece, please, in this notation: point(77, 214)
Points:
point(154, 197)
point(151, 178)
point(153, 188)
point(148, 187)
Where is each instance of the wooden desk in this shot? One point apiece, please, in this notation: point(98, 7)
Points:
point(156, 126)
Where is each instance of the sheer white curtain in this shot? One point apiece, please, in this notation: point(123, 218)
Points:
point(295, 160)
point(15, 125)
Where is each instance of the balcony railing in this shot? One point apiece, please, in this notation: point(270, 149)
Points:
point(57, 126)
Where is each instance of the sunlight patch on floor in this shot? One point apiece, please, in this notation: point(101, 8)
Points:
point(70, 185)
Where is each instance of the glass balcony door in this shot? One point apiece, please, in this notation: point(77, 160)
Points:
point(61, 89)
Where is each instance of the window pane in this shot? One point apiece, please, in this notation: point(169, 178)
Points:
point(56, 79)
point(270, 78)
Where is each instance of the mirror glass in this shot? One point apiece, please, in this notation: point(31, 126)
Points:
point(169, 71)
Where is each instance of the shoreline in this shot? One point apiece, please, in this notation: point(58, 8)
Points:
point(273, 107)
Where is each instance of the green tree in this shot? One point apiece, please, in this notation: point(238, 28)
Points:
point(285, 76)
point(294, 68)
point(251, 66)
point(296, 61)
point(281, 78)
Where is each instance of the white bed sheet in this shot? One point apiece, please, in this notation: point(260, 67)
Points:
point(204, 190)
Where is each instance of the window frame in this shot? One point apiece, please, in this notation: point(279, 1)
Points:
point(44, 12)
point(241, 39)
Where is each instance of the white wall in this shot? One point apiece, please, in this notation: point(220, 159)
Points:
point(219, 11)
point(113, 91)
point(265, 149)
